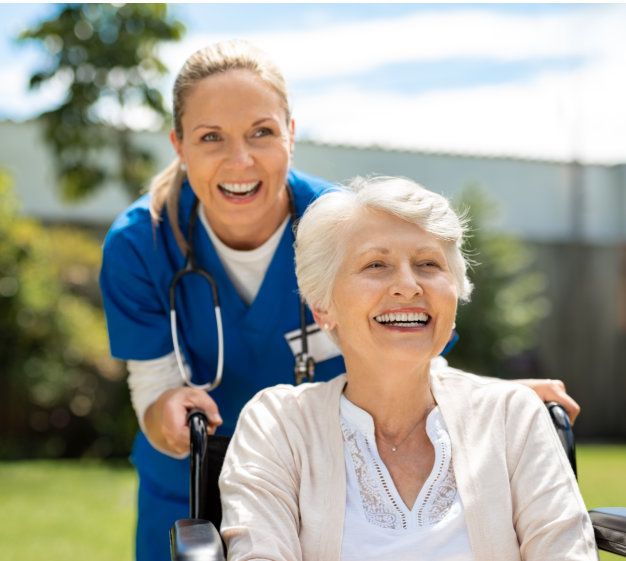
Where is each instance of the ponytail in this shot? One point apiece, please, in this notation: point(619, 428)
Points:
point(164, 190)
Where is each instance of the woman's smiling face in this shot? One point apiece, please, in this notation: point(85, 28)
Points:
point(394, 293)
point(237, 146)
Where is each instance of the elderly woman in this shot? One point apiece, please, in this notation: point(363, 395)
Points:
point(402, 457)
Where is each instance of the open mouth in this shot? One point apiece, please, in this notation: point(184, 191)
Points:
point(404, 319)
point(239, 190)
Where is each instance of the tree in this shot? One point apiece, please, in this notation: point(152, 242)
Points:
point(60, 390)
point(106, 54)
point(497, 327)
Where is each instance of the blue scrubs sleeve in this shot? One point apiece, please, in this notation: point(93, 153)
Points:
point(136, 309)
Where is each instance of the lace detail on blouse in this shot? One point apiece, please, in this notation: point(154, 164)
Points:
point(379, 505)
point(380, 501)
point(440, 497)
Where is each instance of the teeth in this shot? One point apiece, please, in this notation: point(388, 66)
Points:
point(240, 188)
point(403, 318)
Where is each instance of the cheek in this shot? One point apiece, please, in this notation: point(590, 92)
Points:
point(447, 296)
point(278, 158)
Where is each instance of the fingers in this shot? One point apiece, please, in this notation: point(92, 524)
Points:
point(166, 418)
point(566, 401)
point(554, 390)
point(201, 400)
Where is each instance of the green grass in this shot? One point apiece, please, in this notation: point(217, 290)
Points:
point(75, 511)
point(66, 511)
point(601, 471)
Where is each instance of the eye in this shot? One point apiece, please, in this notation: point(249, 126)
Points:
point(430, 264)
point(374, 265)
point(263, 131)
point(211, 137)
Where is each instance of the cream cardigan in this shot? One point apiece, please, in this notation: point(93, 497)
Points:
point(283, 484)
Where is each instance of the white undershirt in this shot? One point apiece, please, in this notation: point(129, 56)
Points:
point(378, 525)
point(245, 268)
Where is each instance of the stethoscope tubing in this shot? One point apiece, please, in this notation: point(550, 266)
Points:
point(305, 364)
point(190, 269)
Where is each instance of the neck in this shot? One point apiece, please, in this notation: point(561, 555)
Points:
point(396, 399)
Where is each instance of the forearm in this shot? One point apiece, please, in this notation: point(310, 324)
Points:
point(147, 381)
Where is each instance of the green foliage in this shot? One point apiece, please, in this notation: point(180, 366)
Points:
point(60, 393)
point(497, 327)
point(105, 54)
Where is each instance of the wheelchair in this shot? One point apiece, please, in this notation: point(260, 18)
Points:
point(197, 539)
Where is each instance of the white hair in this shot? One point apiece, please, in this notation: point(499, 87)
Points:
point(319, 249)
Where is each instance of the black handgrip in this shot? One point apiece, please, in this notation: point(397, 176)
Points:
point(207, 456)
point(565, 432)
point(198, 424)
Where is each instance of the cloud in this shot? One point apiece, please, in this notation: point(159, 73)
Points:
point(349, 48)
point(556, 114)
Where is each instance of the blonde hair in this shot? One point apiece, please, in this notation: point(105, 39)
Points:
point(319, 250)
point(165, 187)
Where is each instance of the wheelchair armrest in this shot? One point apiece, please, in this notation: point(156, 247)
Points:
point(193, 539)
point(609, 526)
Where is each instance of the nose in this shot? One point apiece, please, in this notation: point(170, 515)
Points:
point(406, 282)
point(239, 154)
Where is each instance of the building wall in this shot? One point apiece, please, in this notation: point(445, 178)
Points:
point(573, 217)
point(540, 200)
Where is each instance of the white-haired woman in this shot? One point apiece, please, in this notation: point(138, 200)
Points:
point(397, 459)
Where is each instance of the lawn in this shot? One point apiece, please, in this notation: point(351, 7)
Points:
point(601, 471)
point(66, 511)
point(75, 511)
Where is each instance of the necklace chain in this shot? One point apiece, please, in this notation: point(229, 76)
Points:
point(394, 447)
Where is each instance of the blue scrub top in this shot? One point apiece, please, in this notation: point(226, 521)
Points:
point(139, 262)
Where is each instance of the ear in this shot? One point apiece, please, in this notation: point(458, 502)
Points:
point(176, 144)
point(292, 136)
point(323, 319)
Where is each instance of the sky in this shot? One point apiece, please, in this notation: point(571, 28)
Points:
point(535, 80)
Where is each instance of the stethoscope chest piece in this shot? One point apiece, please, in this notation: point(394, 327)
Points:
point(304, 370)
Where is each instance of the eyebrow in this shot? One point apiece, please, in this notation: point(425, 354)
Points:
point(386, 251)
point(218, 128)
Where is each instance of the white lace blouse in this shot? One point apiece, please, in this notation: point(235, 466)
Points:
point(378, 525)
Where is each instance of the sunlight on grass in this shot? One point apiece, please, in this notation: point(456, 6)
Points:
point(66, 510)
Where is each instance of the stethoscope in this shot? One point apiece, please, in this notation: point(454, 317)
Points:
point(304, 368)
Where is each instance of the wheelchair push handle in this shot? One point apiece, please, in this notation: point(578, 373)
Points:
point(198, 425)
point(196, 416)
point(206, 457)
point(564, 431)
